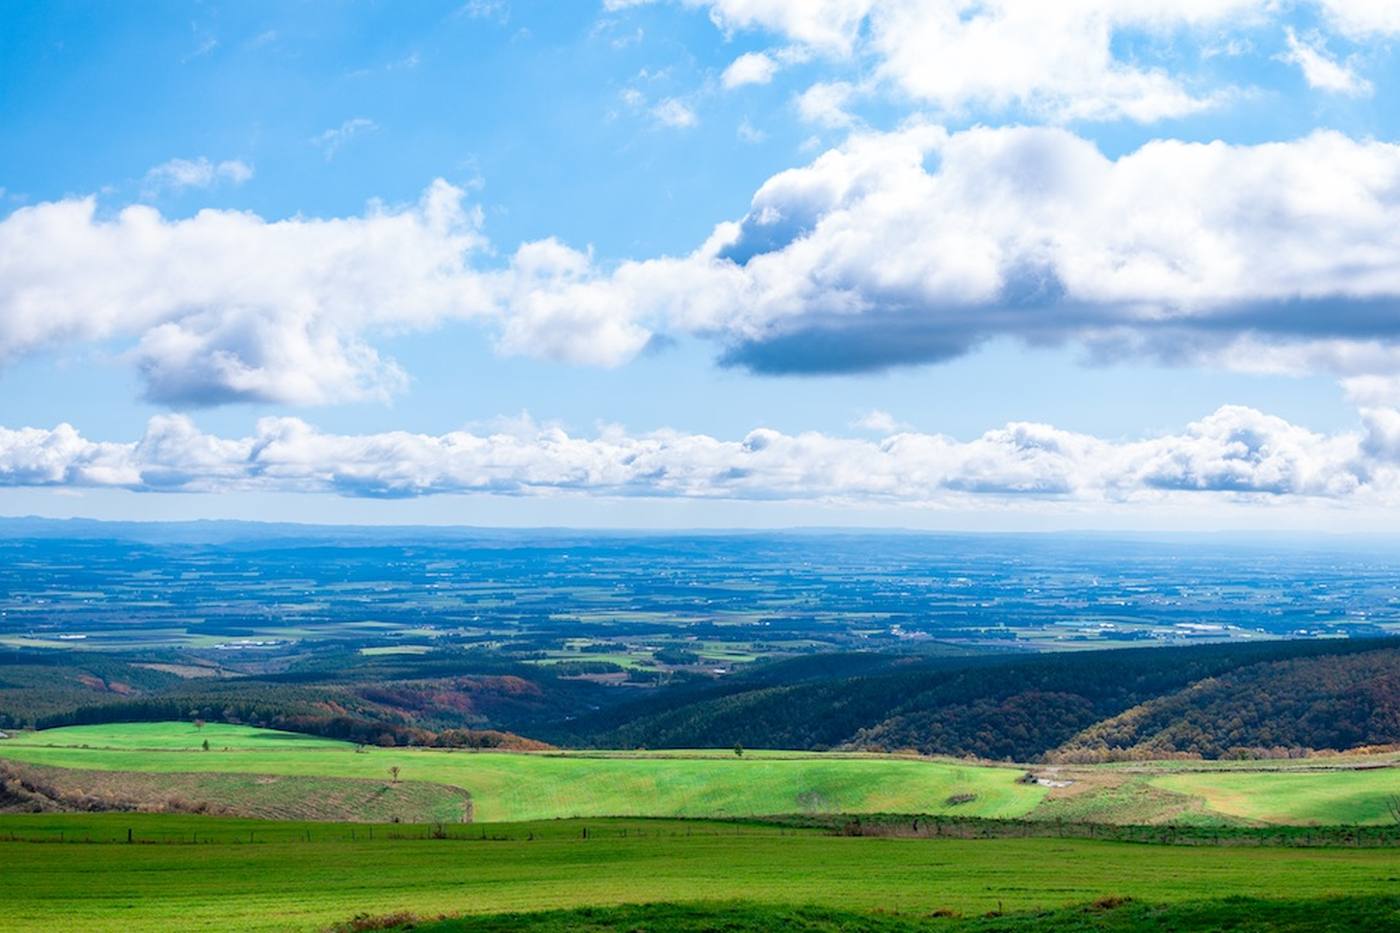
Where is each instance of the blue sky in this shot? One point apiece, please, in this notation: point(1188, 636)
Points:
point(625, 264)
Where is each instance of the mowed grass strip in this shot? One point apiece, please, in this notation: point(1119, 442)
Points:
point(526, 867)
point(509, 786)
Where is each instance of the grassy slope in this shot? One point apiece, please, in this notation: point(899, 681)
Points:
point(259, 796)
point(174, 735)
point(1305, 797)
point(523, 787)
point(716, 784)
point(275, 883)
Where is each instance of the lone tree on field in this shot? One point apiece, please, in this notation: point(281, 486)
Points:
point(206, 745)
point(738, 750)
point(199, 723)
point(394, 773)
point(1392, 804)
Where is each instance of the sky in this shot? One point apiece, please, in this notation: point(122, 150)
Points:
point(998, 264)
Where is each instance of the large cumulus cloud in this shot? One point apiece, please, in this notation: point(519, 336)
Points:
point(226, 306)
point(918, 245)
point(1235, 453)
point(894, 248)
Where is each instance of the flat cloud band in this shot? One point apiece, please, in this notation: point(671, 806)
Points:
point(1235, 453)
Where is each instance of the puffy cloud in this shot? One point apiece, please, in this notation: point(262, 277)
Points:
point(749, 68)
point(918, 245)
point(826, 25)
point(1363, 19)
point(894, 248)
point(1054, 59)
point(226, 306)
point(674, 113)
point(825, 102)
point(1237, 453)
point(562, 309)
point(1321, 71)
point(1058, 60)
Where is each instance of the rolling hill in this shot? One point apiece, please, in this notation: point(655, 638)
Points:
point(1192, 701)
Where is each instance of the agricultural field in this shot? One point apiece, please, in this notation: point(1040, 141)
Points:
point(1359, 796)
point(251, 594)
point(190, 872)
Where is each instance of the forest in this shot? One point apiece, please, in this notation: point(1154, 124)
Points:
point(1210, 701)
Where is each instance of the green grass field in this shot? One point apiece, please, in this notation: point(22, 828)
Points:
point(508, 787)
point(177, 736)
point(306, 876)
point(1293, 797)
point(715, 783)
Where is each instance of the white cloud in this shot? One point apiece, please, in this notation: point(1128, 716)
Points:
point(879, 421)
point(825, 103)
point(180, 174)
point(674, 113)
point(1054, 59)
point(917, 245)
point(226, 306)
point(562, 309)
point(1059, 61)
point(749, 68)
point(747, 133)
point(828, 25)
point(1321, 71)
point(206, 45)
point(486, 9)
point(895, 248)
point(1235, 453)
point(332, 140)
point(1362, 19)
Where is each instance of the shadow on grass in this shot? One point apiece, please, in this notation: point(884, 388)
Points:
point(1242, 915)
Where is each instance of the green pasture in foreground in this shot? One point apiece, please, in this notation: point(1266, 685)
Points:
point(282, 881)
point(506, 787)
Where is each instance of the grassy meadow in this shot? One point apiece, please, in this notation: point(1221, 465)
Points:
point(586, 837)
point(512, 786)
point(243, 874)
point(1356, 796)
point(507, 786)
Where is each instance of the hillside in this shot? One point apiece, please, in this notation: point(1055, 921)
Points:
point(1266, 698)
point(247, 771)
point(1329, 696)
point(1342, 701)
point(507, 786)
